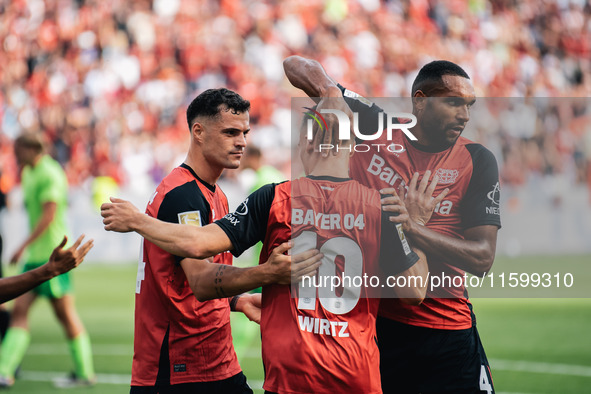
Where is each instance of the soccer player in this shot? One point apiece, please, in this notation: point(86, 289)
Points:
point(183, 343)
point(312, 340)
point(433, 347)
point(45, 191)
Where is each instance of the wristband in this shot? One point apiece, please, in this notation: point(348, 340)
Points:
point(233, 302)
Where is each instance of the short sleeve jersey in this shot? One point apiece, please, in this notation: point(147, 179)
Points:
point(468, 169)
point(45, 182)
point(314, 341)
point(177, 338)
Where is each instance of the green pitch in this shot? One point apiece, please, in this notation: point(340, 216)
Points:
point(535, 346)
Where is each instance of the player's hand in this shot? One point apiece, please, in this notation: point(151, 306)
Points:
point(250, 305)
point(118, 215)
point(328, 134)
point(17, 255)
point(63, 260)
point(392, 203)
point(289, 269)
point(419, 200)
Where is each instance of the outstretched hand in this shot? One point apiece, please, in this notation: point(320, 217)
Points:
point(118, 215)
point(63, 260)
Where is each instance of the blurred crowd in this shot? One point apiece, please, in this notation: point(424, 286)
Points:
point(108, 81)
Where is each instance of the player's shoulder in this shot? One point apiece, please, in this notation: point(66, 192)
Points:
point(477, 151)
point(177, 178)
point(48, 165)
point(362, 192)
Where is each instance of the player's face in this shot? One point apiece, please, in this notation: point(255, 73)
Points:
point(23, 155)
point(224, 139)
point(445, 116)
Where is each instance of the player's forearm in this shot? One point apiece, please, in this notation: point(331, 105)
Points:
point(310, 76)
point(221, 281)
point(417, 277)
point(475, 256)
point(14, 286)
point(47, 217)
point(180, 240)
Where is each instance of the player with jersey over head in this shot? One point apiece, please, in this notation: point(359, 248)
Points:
point(460, 236)
point(321, 339)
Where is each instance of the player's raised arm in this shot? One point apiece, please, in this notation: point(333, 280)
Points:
point(310, 76)
point(61, 261)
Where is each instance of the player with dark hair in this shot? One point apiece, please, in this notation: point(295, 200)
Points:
point(433, 347)
point(45, 191)
point(183, 343)
point(312, 340)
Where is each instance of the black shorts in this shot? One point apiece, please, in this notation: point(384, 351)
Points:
point(425, 360)
point(233, 385)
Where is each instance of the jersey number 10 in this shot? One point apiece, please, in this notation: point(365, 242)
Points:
point(325, 284)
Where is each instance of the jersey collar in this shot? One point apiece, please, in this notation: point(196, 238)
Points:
point(207, 185)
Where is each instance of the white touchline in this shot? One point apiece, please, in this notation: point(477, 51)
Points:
point(97, 350)
point(540, 367)
point(48, 376)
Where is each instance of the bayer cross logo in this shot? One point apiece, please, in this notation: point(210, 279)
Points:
point(447, 176)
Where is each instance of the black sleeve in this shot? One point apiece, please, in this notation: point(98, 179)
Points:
point(480, 205)
point(396, 255)
point(185, 204)
point(368, 111)
point(248, 224)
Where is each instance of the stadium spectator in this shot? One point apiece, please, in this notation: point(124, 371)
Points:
point(432, 347)
point(45, 190)
point(102, 77)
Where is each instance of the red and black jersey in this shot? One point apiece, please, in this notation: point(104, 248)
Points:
point(178, 339)
point(469, 170)
point(317, 339)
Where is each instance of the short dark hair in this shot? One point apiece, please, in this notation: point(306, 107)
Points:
point(31, 140)
point(429, 77)
point(212, 101)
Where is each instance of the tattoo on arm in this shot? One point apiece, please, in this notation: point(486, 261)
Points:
point(219, 290)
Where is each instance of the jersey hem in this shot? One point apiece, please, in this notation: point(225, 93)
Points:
point(418, 323)
point(187, 379)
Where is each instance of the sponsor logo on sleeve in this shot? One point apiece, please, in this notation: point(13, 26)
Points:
point(494, 197)
point(192, 218)
point(242, 209)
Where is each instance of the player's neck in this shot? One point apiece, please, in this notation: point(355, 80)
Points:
point(204, 170)
point(334, 166)
point(35, 160)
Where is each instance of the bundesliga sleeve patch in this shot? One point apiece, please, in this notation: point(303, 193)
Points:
point(190, 217)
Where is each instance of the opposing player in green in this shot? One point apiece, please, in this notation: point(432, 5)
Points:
point(45, 188)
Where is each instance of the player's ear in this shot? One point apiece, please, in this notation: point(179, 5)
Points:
point(197, 131)
point(419, 100)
